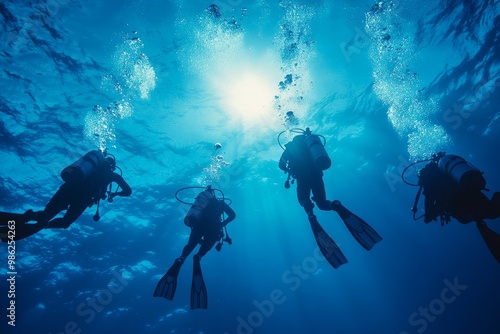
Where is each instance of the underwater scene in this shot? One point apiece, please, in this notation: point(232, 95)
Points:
point(250, 166)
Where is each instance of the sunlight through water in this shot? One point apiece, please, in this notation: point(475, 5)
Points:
point(249, 98)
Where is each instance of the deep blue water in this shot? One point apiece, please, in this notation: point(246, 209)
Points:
point(157, 83)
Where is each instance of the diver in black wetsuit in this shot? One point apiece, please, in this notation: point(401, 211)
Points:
point(206, 229)
point(454, 188)
point(297, 161)
point(445, 198)
point(304, 159)
point(74, 197)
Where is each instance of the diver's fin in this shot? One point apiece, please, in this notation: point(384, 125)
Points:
point(198, 288)
point(18, 228)
point(4, 234)
point(25, 230)
point(364, 234)
point(168, 283)
point(327, 246)
point(491, 238)
point(5, 217)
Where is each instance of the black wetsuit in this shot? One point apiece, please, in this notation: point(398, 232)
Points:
point(209, 228)
point(445, 198)
point(297, 160)
point(76, 197)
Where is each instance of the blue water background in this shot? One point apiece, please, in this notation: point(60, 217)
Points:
point(157, 83)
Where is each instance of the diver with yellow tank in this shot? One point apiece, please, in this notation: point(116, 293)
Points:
point(453, 187)
point(304, 159)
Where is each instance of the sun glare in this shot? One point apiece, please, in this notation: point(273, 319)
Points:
point(249, 98)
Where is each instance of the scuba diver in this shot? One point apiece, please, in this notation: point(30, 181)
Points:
point(304, 159)
point(205, 218)
point(453, 188)
point(86, 182)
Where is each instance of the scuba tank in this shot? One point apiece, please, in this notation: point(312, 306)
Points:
point(195, 213)
point(79, 170)
point(314, 145)
point(200, 203)
point(462, 172)
point(442, 178)
point(317, 150)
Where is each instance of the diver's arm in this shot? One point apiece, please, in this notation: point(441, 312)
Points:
point(126, 190)
point(230, 214)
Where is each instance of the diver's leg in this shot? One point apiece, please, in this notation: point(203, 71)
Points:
point(194, 240)
point(483, 206)
point(472, 206)
point(209, 241)
point(319, 193)
point(491, 207)
point(57, 203)
point(74, 211)
point(303, 192)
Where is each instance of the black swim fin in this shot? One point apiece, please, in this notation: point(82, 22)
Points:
point(13, 226)
point(199, 298)
point(327, 246)
point(168, 283)
point(5, 217)
point(491, 238)
point(364, 234)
